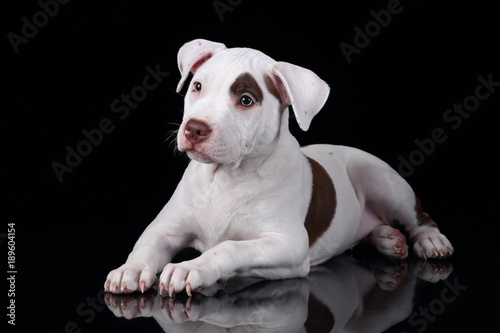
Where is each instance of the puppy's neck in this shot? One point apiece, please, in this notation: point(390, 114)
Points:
point(280, 160)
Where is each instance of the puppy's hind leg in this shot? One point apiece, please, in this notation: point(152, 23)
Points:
point(389, 198)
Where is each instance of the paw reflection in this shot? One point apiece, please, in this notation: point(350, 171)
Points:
point(132, 306)
point(390, 273)
point(343, 294)
point(432, 270)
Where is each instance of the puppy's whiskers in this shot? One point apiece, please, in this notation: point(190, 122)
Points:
point(171, 138)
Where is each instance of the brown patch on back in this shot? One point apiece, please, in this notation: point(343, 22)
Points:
point(422, 217)
point(323, 203)
point(245, 83)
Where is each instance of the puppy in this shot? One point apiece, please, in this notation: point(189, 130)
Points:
point(251, 200)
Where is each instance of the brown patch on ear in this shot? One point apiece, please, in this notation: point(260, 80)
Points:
point(274, 90)
point(271, 87)
point(323, 203)
point(422, 217)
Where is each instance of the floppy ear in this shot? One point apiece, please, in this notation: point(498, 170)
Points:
point(193, 54)
point(302, 89)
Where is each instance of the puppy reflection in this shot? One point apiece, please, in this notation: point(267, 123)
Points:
point(342, 295)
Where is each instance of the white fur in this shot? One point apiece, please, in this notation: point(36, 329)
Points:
point(244, 197)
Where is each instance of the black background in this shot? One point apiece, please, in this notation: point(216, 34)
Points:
point(64, 79)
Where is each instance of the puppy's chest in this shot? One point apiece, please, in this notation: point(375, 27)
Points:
point(222, 213)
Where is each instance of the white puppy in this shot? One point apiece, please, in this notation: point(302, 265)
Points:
point(254, 202)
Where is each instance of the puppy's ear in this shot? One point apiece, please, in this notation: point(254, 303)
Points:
point(302, 89)
point(193, 54)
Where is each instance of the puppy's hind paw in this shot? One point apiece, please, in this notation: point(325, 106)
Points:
point(432, 244)
point(389, 241)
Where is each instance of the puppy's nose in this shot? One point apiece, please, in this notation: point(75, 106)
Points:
point(196, 131)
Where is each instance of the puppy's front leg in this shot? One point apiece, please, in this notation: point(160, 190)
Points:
point(156, 247)
point(271, 257)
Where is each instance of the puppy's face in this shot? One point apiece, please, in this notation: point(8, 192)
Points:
point(232, 109)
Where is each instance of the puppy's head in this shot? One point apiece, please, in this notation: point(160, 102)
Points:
point(235, 102)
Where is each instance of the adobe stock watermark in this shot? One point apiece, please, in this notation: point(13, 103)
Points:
point(421, 318)
point(48, 9)
point(452, 117)
point(121, 107)
point(363, 36)
point(87, 312)
point(223, 6)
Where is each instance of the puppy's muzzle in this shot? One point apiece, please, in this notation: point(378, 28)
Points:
point(196, 131)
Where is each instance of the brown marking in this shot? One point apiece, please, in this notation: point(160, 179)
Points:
point(323, 203)
point(422, 217)
point(271, 87)
point(245, 83)
point(200, 62)
point(319, 316)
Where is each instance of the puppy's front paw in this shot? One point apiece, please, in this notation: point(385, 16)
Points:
point(192, 275)
point(129, 278)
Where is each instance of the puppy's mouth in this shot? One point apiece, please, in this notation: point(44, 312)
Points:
point(194, 151)
point(198, 156)
point(208, 151)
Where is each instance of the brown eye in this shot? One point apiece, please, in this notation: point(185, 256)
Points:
point(197, 86)
point(246, 101)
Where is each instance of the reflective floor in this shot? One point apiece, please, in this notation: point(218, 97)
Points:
point(357, 292)
point(342, 295)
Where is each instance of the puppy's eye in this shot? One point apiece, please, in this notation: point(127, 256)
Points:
point(197, 86)
point(246, 101)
